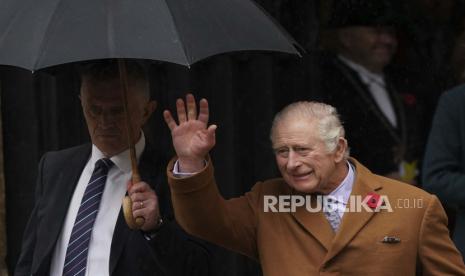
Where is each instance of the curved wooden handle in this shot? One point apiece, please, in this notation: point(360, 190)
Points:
point(134, 224)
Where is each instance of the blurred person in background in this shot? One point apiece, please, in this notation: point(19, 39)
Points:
point(382, 120)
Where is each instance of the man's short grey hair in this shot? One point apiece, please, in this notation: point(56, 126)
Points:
point(330, 128)
point(108, 70)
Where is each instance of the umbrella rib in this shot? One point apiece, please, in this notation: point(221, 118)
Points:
point(296, 46)
point(110, 27)
point(185, 52)
point(47, 30)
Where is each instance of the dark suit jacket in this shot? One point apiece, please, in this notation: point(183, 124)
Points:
point(372, 139)
point(171, 252)
point(444, 163)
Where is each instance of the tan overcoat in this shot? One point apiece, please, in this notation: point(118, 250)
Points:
point(301, 243)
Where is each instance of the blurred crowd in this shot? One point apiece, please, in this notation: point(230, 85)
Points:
point(385, 65)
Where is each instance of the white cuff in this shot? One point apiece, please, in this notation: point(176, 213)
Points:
point(179, 174)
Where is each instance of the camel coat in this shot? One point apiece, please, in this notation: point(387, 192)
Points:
point(302, 243)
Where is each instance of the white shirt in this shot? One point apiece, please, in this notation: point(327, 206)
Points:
point(98, 259)
point(377, 87)
point(342, 192)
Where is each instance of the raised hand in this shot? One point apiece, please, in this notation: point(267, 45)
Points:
point(192, 139)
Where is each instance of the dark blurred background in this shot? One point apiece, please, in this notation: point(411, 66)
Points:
point(41, 112)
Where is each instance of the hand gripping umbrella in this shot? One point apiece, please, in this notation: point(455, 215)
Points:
point(39, 34)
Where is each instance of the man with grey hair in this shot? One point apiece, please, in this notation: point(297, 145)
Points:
point(369, 217)
point(77, 225)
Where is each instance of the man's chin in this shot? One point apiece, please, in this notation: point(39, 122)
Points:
point(110, 145)
point(108, 135)
point(110, 139)
point(303, 186)
point(384, 58)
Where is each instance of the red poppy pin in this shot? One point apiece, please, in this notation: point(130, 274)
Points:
point(373, 200)
point(409, 99)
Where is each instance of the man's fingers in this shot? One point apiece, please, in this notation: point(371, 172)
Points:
point(203, 111)
point(207, 136)
point(169, 119)
point(181, 109)
point(148, 210)
point(138, 213)
point(211, 131)
point(137, 197)
point(139, 187)
point(191, 107)
point(137, 205)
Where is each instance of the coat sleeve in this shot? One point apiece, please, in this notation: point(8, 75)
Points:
point(172, 250)
point(437, 253)
point(444, 165)
point(203, 212)
point(24, 264)
point(177, 253)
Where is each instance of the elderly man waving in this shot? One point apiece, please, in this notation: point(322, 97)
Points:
point(385, 238)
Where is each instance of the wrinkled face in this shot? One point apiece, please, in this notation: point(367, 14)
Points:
point(303, 159)
point(103, 109)
point(372, 47)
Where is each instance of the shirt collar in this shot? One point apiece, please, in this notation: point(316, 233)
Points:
point(366, 76)
point(122, 160)
point(342, 192)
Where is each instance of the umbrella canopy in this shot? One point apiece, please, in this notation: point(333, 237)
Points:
point(38, 34)
point(35, 34)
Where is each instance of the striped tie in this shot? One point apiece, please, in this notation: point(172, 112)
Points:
point(76, 253)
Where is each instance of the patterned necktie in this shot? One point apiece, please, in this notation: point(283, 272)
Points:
point(77, 251)
point(331, 213)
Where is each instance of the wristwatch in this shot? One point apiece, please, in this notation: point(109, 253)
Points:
point(152, 234)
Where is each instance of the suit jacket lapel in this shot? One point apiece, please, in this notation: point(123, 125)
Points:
point(120, 235)
point(149, 169)
point(400, 113)
point(353, 222)
point(370, 102)
point(61, 193)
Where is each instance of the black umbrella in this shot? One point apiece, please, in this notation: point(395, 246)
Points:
point(37, 34)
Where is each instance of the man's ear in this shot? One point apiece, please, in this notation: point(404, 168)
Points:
point(81, 100)
point(150, 107)
point(341, 149)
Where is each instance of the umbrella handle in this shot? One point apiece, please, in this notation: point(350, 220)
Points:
point(136, 223)
point(133, 223)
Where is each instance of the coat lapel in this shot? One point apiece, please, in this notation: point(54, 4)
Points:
point(61, 192)
point(370, 102)
point(353, 222)
point(149, 169)
point(315, 223)
point(401, 119)
point(120, 235)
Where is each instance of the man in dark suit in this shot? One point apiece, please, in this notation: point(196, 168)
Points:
point(77, 226)
point(444, 163)
point(380, 117)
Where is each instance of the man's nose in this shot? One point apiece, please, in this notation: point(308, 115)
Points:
point(293, 160)
point(387, 37)
point(106, 118)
